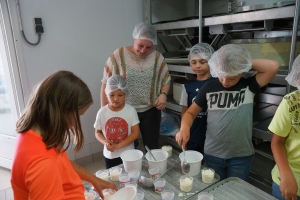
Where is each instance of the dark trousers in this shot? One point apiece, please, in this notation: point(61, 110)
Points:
point(112, 162)
point(149, 126)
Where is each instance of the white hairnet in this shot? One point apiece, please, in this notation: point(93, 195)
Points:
point(201, 51)
point(293, 78)
point(144, 31)
point(230, 60)
point(116, 82)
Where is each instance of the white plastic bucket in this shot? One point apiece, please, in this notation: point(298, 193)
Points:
point(161, 159)
point(132, 160)
point(126, 193)
point(194, 158)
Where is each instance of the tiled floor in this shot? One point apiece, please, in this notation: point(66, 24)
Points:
point(5, 187)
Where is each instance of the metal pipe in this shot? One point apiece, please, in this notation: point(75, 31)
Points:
point(162, 43)
point(180, 40)
point(187, 40)
point(223, 38)
point(200, 21)
point(293, 41)
point(246, 30)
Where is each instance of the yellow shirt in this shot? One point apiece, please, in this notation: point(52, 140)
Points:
point(286, 123)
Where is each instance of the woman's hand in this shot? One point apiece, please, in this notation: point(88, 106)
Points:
point(288, 186)
point(161, 102)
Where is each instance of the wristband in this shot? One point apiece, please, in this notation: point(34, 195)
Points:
point(164, 94)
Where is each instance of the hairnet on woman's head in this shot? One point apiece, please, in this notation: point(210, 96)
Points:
point(145, 31)
point(230, 60)
point(201, 51)
point(293, 78)
point(116, 82)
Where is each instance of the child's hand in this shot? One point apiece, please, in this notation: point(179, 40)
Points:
point(114, 146)
point(109, 146)
point(182, 137)
point(288, 186)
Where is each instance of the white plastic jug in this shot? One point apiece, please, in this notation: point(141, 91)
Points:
point(132, 160)
point(161, 157)
point(194, 158)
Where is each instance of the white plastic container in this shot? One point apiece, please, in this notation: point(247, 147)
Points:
point(123, 179)
point(126, 193)
point(167, 148)
point(161, 157)
point(208, 175)
point(107, 193)
point(115, 173)
point(186, 183)
point(134, 175)
point(194, 158)
point(90, 195)
point(140, 195)
point(131, 184)
point(103, 174)
point(159, 185)
point(132, 160)
point(205, 196)
point(154, 172)
point(167, 195)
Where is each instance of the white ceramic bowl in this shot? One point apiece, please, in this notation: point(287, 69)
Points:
point(161, 157)
point(132, 160)
point(126, 193)
point(194, 158)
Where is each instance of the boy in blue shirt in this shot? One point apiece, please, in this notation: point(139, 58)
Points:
point(229, 102)
point(198, 57)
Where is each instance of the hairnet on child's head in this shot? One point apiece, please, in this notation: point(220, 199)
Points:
point(201, 51)
point(145, 31)
point(230, 60)
point(293, 78)
point(116, 82)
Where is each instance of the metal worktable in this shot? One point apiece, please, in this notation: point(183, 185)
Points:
point(172, 180)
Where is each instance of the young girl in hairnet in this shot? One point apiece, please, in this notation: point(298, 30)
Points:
point(198, 57)
point(229, 100)
point(117, 123)
point(286, 141)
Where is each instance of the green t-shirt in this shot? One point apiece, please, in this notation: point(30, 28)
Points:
point(286, 123)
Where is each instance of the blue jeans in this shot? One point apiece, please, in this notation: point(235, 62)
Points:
point(234, 167)
point(277, 193)
point(149, 126)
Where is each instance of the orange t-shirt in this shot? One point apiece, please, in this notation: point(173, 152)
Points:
point(38, 173)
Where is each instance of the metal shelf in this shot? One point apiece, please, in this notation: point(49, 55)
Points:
point(177, 25)
point(267, 14)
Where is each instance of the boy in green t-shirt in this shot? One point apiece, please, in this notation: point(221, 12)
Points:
point(286, 141)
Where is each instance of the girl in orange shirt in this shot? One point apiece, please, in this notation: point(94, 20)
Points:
point(41, 167)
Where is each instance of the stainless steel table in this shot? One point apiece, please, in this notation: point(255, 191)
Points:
point(172, 180)
point(235, 189)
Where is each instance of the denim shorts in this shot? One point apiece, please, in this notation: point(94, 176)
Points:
point(234, 167)
point(277, 193)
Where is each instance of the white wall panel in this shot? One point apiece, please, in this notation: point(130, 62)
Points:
point(79, 36)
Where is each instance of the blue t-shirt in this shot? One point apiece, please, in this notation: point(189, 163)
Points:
point(198, 129)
